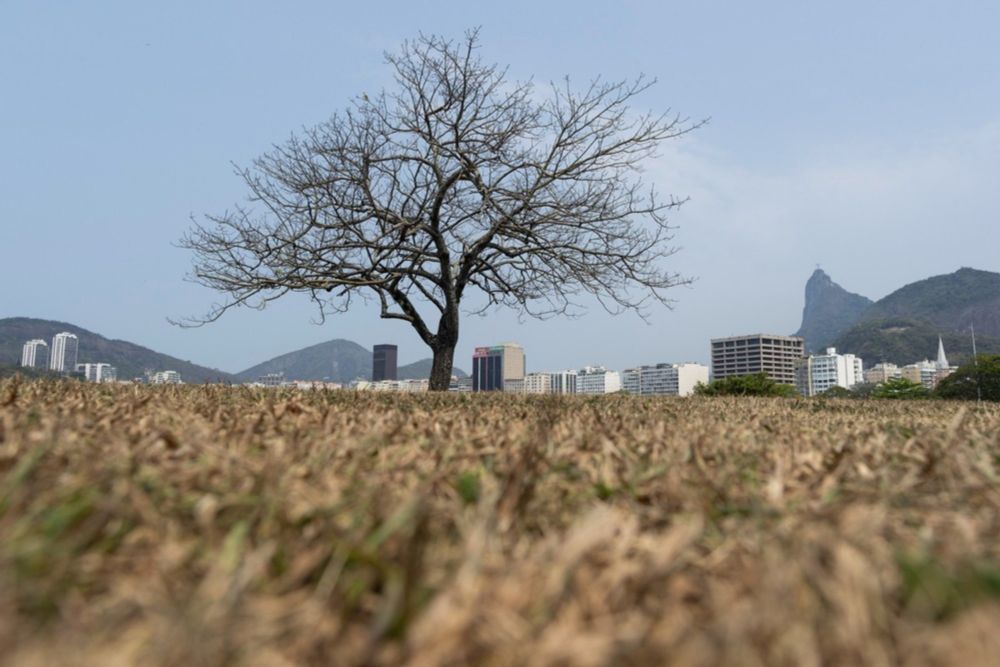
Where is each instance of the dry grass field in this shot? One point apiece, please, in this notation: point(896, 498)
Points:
point(204, 526)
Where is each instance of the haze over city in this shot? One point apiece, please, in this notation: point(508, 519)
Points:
point(866, 140)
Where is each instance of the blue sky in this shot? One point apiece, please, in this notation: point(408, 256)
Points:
point(861, 136)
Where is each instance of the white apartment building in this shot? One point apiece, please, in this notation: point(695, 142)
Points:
point(35, 354)
point(399, 386)
point(664, 379)
point(538, 383)
point(165, 377)
point(414, 385)
point(820, 372)
point(62, 357)
point(597, 380)
point(97, 372)
point(316, 385)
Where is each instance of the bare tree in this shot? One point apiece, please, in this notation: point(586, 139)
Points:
point(458, 181)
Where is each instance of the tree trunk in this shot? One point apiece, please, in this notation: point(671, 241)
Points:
point(444, 357)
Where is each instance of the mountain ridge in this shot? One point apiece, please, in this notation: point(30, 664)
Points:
point(950, 301)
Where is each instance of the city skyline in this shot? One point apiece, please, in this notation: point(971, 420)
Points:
point(503, 368)
point(786, 158)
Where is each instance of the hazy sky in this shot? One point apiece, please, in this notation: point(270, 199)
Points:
point(861, 136)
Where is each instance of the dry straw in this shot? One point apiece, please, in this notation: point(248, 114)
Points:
point(228, 526)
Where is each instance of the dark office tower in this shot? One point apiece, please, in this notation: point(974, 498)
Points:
point(384, 363)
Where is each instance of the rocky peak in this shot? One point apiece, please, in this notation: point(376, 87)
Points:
point(829, 310)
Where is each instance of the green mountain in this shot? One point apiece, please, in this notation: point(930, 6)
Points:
point(129, 359)
point(952, 302)
point(902, 341)
point(336, 360)
point(904, 326)
point(829, 311)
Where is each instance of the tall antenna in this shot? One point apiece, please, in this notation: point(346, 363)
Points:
point(975, 362)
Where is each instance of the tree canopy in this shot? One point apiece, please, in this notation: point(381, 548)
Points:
point(757, 384)
point(456, 182)
point(900, 388)
point(972, 380)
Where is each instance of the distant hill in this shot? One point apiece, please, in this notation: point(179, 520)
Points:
point(335, 360)
point(129, 359)
point(904, 326)
point(829, 311)
point(951, 302)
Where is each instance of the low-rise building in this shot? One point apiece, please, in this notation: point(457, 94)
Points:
point(391, 385)
point(664, 379)
point(165, 377)
point(414, 385)
point(597, 380)
point(316, 384)
point(97, 372)
point(513, 386)
point(272, 379)
point(538, 383)
point(461, 384)
point(925, 372)
point(882, 372)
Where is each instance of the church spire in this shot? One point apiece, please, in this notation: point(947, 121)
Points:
point(942, 360)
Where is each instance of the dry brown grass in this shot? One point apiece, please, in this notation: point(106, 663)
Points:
point(212, 526)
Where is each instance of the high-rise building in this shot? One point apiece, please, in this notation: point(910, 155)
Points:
point(384, 362)
point(35, 354)
point(65, 347)
point(664, 379)
point(776, 356)
point(492, 366)
point(597, 380)
point(820, 372)
point(97, 372)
